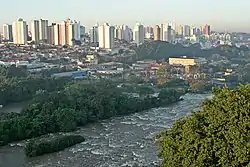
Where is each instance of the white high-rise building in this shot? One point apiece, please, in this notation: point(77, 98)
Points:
point(106, 36)
point(126, 33)
point(19, 30)
point(165, 32)
point(43, 28)
point(7, 32)
point(179, 30)
point(34, 27)
point(56, 33)
point(76, 30)
point(138, 33)
point(118, 34)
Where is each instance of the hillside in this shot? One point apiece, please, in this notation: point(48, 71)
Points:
point(164, 50)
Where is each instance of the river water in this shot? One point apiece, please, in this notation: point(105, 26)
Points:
point(117, 142)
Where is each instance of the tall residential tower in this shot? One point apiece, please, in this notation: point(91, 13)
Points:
point(34, 27)
point(7, 32)
point(19, 29)
point(43, 28)
point(157, 32)
point(106, 36)
point(138, 33)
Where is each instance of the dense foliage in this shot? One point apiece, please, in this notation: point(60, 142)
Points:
point(200, 87)
point(175, 83)
point(164, 50)
point(12, 71)
point(76, 105)
point(216, 136)
point(36, 148)
point(20, 89)
point(15, 86)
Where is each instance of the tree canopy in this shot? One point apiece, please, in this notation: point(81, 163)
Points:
point(36, 148)
point(13, 71)
point(16, 86)
point(75, 105)
point(164, 50)
point(216, 136)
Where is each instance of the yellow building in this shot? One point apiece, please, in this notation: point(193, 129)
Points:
point(182, 61)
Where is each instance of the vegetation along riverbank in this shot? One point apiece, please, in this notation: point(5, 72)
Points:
point(36, 148)
point(216, 135)
point(76, 105)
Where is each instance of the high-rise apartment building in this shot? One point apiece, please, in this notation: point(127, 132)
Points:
point(19, 30)
point(116, 32)
point(43, 28)
point(157, 32)
point(29, 38)
point(126, 33)
point(194, 31)
point(94, 34)
point(207, 29)
point(148, 32)
point(106, 36)
point(179, 30)
point(62, 33)
point(35, 32)
point(119, 32)
point(165, 32)
point(169, 33)
point(202, 30)
point(186, 30)
point(161, 31)
point(198, 32)
point(138, 33)
point(52, 34)
point(68, 32)
point(7, 32)
point(72, 31)
point(82, 31)
point(56, 33)
point(76, 30)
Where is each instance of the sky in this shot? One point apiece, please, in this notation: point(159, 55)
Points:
point(222, 15)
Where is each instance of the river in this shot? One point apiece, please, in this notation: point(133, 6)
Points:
point(117, 142)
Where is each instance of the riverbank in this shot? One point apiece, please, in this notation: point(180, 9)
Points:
point(112, 142)
point(76, 106)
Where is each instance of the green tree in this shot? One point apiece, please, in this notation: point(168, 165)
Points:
point(216, 136)
point(77, 104)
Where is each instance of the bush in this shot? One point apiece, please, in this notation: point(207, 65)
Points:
point(200, 87)
point(216, 136)
point(33, 148)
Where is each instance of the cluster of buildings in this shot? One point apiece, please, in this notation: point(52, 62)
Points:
point(169, 32)
point(63, 33)
point(70, 32)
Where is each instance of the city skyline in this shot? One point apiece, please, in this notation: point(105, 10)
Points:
point(221, 15)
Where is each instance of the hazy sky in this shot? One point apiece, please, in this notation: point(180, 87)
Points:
point(221, 14)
